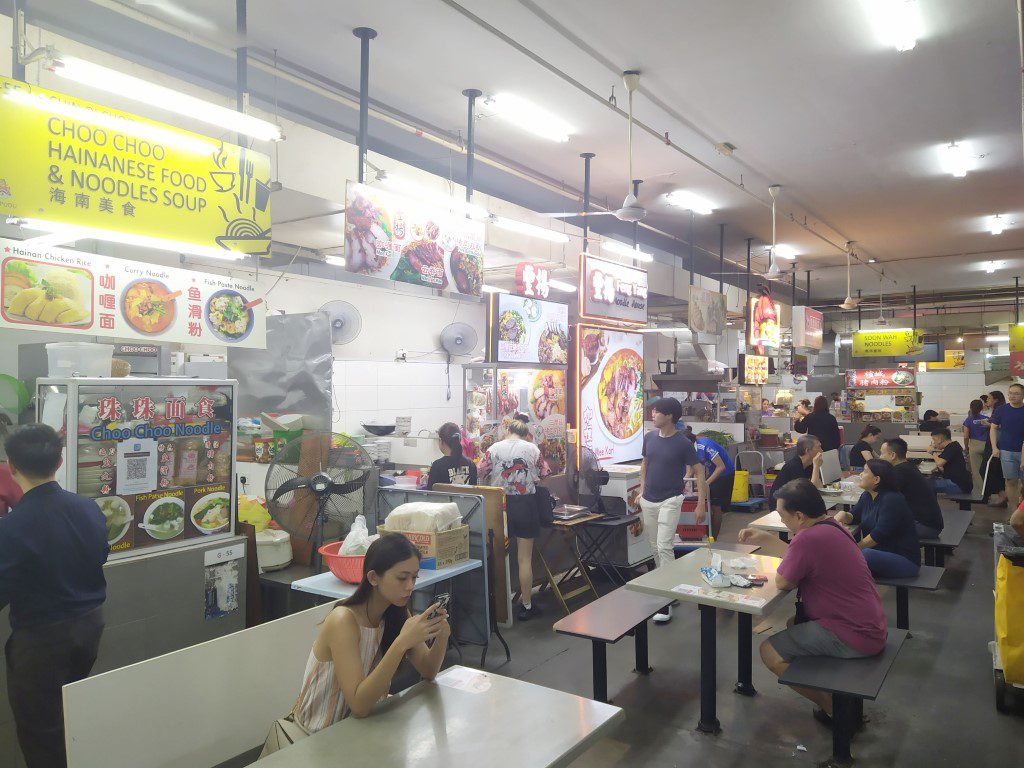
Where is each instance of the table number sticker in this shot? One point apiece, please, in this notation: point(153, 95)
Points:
point(463, 679)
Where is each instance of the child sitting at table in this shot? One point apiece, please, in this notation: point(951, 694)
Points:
point(839, 613)
point(363, 640)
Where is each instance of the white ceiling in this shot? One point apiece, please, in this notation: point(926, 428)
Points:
point(812, 100)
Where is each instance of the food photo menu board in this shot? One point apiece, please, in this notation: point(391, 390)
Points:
point(610, 376)
point(158, 461)
point(65, 291)
point(525, 330)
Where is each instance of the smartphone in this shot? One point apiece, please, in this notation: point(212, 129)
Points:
point(442, 601)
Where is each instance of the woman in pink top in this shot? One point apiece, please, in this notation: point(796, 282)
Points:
point(364, 639)
point(839, 612)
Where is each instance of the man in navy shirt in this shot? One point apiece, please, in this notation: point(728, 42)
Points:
point(668, 455)
point(1006, 431)
point(53, 545)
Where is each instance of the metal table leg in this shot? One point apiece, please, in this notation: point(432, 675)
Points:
point(600, 671)
point(842, 728)
point(640, 648)
point(708, 660)
point(594, 552)
point(744, 629)
point(903, 608)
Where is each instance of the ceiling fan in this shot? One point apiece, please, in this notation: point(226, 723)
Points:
point(773, 272)
point(631, 210)
point(849, 302)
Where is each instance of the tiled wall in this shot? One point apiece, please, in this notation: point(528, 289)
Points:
point(952, 391)
point(381, 391)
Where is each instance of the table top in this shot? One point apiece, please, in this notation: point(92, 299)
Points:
point(773, 522)
point(681, 580)
point(329, 585)
point(452, 722)
point(577, 520)
point(613, 521)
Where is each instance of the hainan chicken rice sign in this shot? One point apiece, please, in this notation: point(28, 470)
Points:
point(72, 162)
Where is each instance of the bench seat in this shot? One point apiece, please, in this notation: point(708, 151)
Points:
point(955, 525)
point(927, 578)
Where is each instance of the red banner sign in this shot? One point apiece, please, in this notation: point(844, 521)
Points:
point(532, 281)
point(881, 377)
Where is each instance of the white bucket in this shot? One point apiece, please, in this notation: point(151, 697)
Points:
point(79, 358)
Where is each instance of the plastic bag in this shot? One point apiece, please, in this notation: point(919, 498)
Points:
point(1010, 619)
point(358, 539)
point(424, 517)
point(253, 510)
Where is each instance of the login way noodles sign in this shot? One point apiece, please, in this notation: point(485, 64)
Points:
point(72, 162)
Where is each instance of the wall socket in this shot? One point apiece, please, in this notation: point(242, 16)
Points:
point(402, 354)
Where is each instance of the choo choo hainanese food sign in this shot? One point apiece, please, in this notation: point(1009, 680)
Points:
point(73, 162)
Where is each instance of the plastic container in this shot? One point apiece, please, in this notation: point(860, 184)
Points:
point(79, 358)
point(741, 485)
point(348, 568)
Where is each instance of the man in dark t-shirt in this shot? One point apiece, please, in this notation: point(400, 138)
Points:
point(949, 458)
point(667, 453)
point(919, 493)
point(806, 464)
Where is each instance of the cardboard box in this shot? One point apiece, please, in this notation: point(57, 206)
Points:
point(445, 548)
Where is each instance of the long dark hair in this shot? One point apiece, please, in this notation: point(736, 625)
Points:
point(450, 435)
point(383, 555)
point(998, 398)
point(883, 470)
point(976, 408)
point(821, 404)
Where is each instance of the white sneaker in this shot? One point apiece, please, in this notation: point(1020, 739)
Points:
point(664, 617)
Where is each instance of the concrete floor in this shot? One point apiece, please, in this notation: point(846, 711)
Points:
point(937, 707)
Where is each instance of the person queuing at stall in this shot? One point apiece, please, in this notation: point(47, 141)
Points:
point(806, 464)
point(953, 478)
point(888, 534)
point(668, 457)
point(839, 613)
point(720, 472)
point(821, 424)
point(864, 449)
point(452, 468)
point(53, 545)
point(918, 492)
point(1006, 432)
point(366, 637)
point(975, 428)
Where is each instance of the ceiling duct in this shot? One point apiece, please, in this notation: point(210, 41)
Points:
point(692, 365)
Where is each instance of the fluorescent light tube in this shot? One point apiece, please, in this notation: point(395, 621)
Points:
point(673, 329)
point(995, 225)
point(168, 99)
point(691, 201)
point(957, 159)
point(428, 195)
point(783, 251)
point(559, 285)
point(990, 267)
point(337, 261)
point(529, 117)
point(89, 233)
point(529, 229)
point(897, 23)
point(626, 250)
point(996, 339)
point(846, 342)
point(494, 289)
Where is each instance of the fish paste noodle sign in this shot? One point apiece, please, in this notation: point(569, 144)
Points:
point(73, 162)
point(613, 291)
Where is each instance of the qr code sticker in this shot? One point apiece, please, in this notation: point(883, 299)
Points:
point(135, 469)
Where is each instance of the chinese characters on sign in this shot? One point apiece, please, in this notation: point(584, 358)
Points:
point(899, 342)
point(808, 328)
point(881, 377)
point(612, 291)
point(532, 281)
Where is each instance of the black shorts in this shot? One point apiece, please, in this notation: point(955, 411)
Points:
point(721, 492)
point(522, 516)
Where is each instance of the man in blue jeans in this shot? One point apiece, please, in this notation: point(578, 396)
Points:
point(1006, 432)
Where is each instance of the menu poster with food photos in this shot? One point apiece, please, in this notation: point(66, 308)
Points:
point(530, 330)
point(66, 291)
point(393, 237)
point(610, 376)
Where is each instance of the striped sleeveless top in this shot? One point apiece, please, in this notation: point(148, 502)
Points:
point(322, 702)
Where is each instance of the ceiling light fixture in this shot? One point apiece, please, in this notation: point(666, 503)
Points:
point(990, 267)
point(89, 233)
point(957, 159)
point(872, 260)
point(562, 286)
point(996, 339)
point(626, 250)
point(683, 198)
point(336, 261)
point(494, 289)
point(897, 23)
point(529, 229)
point(145, 92)
point(995, 225)
point(434, 197)
point(783, 251)
point(673, 329)
point(959, 339)
point(528, 116)
point(846, 342)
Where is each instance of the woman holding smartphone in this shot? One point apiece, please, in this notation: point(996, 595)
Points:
point(363, 640)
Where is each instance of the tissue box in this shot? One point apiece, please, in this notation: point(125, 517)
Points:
point(438, 550)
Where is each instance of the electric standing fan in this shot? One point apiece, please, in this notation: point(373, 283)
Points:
point(587, 479)
point(316, 486)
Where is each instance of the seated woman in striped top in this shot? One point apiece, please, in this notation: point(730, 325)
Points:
point(363, 640)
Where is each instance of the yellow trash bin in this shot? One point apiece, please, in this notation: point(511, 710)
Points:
point(741, 485)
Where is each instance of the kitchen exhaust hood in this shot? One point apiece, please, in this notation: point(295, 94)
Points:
point(693, 371)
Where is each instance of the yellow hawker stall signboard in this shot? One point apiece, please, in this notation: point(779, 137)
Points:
point(892, 343)
point(72, 162)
